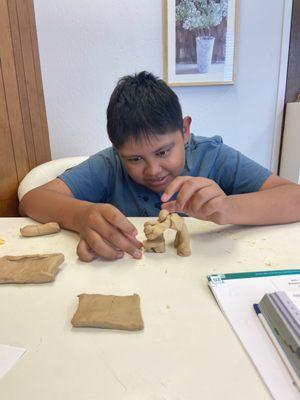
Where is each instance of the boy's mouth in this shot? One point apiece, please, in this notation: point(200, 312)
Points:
point(156, 182)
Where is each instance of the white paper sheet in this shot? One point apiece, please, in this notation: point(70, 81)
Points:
point(236, 296)
point(8, 357)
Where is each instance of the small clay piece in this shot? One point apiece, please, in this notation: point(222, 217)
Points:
point(109, 312)
point(40, 229)
point(2, 241)
point(182, 242)
point(157, 245)
point(154, 231)
point(163, 215)
point(182, 238)
point(177, 222)
point(34, 268)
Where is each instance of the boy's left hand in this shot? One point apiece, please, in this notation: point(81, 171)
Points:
point(198, 197)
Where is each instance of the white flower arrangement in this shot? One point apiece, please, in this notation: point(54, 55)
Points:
point(201, 15)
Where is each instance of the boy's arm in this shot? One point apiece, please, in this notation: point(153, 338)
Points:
point(53, 201)
point(102, 227)
point(277, 201)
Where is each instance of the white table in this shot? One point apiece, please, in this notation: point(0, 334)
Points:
point(187, 350)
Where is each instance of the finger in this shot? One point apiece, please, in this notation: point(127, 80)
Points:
point(195, 187)
point(134, 240)
point(192, 201)
point(117, 219)
point(84, 252)
point(177, 185)
point(101, 247)
point(208, 210)
point(112, 237)
point(170, 206)
point(201, 197)
point(121, 241)
point(174, 187)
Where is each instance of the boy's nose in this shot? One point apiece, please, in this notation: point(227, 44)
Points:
point(152, 170)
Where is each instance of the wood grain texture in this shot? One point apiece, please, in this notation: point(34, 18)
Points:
point(39, 82)
point(15, 34)
point(12, 92)
point(24, 138)
point(8, 173)
point(41, 152)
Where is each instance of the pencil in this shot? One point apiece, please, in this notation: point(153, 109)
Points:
point(277, 346)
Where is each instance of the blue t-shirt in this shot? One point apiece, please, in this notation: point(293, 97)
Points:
point(103, 178)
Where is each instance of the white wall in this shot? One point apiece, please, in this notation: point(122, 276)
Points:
point(85, 46)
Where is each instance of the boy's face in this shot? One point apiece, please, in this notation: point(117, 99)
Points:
point(155, 161)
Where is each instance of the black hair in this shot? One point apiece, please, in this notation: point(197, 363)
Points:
point(142, 105)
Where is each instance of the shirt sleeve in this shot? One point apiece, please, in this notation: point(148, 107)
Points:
point(236, 173)
point(91, 180)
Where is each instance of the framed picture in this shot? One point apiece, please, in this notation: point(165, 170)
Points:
point(199, 42)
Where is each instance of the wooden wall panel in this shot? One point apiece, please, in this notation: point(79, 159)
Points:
point(12, 92)
point(15, 34)
point(41, 148)
point(24, 138)
point(8, 173)
point(39, 83)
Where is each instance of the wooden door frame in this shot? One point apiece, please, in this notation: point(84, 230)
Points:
point(293, 74)
point(281, 85)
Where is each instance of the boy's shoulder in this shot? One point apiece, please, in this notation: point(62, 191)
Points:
point(105, 156)
point(108, 152)
point(204, 140)
point(201, 145)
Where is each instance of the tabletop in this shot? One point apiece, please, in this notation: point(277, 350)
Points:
point(187, 349)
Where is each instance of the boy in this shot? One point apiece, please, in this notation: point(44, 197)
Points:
point(155, 163)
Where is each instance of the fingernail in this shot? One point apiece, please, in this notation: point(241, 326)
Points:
point(164, 197)
point(120, 254)
point(137, 254)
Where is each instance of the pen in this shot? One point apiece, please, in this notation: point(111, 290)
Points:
point(277, 346)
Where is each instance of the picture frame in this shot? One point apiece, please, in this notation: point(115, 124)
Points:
point(199, 42)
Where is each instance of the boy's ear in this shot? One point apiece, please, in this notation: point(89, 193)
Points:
point(186, 128)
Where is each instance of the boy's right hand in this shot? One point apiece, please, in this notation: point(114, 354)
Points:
point(106, 232)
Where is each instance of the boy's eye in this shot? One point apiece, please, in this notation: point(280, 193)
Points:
point(163, 153)
point(134, 159)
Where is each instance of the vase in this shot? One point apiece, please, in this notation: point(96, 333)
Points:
point(204, 49)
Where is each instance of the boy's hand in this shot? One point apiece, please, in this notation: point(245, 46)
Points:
point(106, 232)
point(198, 197)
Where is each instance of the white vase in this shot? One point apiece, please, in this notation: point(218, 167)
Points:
point(204, 49)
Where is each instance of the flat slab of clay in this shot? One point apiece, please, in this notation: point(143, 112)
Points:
point(32, 268)
point(108, 311)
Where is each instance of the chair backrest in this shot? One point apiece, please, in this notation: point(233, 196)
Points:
point(46, 172)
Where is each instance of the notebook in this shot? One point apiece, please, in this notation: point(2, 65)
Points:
point(236, 293)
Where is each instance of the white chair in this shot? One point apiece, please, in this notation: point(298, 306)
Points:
point(46, 172)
